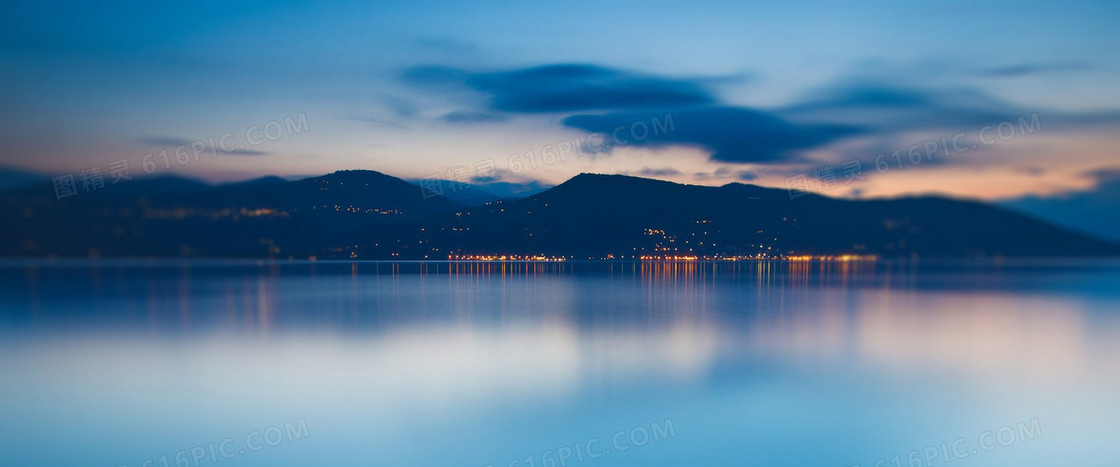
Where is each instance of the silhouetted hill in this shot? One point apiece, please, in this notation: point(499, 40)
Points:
point(370, 215)
point(599, 215)
point(12, 179)
point(359, 192)
point(477, 194)
point(1093, 211)
point(42, 196)
point(261, 181)
point(173, 216)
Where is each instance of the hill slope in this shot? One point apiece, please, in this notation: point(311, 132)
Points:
point(370, 215)
point(171, 216)
point(597, 215)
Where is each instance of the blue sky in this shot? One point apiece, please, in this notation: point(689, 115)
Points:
point(767, 92)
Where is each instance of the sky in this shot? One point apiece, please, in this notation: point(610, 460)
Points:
point(1016, 102)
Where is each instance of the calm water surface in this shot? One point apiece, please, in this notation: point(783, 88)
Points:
point(543, 365)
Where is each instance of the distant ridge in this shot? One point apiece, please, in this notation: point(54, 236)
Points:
point(12, 178)
point(370, 215)
point(594, 215)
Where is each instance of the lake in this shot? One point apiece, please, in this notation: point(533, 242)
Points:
point(248, 363)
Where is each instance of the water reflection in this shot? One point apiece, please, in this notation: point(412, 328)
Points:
point(831, 354)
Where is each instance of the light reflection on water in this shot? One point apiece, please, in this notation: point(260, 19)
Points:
point(472, 364)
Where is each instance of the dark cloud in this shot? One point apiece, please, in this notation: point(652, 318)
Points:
point(244, 152)
point(930, 119)
point(893, 108)
point(1029, 69)
point(171, 141)
point(732, 134)
point(651, 172)
point(1105, 175)
point(604, 100)
point(494, 176)
point(474, 117)
point(435, 75)
point(1032, 171)
point(567, 88)
point(864, 96)
point(485, 179)
point(743, 175)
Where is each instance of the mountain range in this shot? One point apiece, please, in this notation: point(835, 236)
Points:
point(369, 215)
